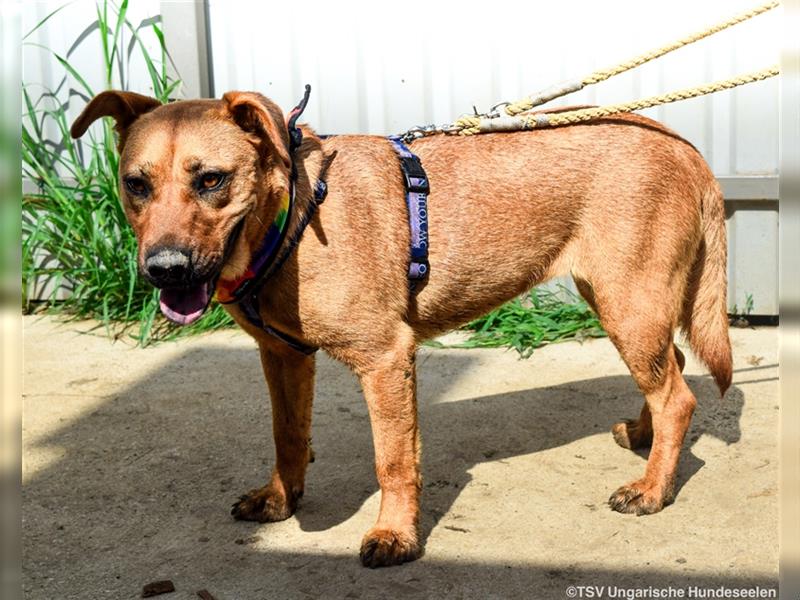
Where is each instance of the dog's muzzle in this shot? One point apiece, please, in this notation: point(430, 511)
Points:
point(168, 267)
point(185, 292)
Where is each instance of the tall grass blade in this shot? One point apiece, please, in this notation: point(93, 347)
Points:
point(45, 20)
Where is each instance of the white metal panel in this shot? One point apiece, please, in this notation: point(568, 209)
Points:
point(382, 68)
point(753, 256)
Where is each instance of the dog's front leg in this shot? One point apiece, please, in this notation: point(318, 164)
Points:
point(290, 377)
point(390, 392)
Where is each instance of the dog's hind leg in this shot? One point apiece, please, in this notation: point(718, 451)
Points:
point(389, 383)
point(290, 377)
point(630, 433)
point(671, 404)
point(640, 320)
point(638, 433)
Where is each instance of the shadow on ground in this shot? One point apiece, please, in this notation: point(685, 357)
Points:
point(146, 479)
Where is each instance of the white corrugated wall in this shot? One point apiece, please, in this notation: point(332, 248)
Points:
point(382, 67)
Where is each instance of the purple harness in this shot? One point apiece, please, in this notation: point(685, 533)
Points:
point(417, 190)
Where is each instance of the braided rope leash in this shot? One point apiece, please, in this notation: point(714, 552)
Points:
point(525, 104)
point(473, 125)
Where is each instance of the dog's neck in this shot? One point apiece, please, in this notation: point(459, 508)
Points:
point(278, 296)
point(273, 191)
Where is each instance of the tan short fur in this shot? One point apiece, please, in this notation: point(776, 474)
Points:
point(626, 206)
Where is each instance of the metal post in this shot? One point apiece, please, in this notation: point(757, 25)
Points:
point(189, 43)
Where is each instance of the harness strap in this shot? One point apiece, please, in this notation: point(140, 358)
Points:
point(417, 190)
point(268, 260)
point(249, 306)
point(249, 303)
point(295, 134)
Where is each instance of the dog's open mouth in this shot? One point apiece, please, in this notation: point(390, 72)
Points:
point(185, 306)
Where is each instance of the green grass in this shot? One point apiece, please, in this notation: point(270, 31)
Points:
point(537, 318)
point(74, 231)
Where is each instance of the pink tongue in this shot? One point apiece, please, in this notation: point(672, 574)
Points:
point(184, 306)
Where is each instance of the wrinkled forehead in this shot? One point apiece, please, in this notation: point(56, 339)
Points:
point(185, 137)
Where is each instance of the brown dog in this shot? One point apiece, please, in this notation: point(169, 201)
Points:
point(623, 204)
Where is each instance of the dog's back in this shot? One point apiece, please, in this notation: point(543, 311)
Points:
point(621, 200)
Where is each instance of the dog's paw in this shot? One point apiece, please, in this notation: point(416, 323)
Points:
point(637, 498)
point(387, 547)
point(264, 505)
point(631, 435)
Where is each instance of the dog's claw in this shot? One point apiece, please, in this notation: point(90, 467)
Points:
point(386, 547)
point(263, 505)
point(636, 498)
point(236, 504)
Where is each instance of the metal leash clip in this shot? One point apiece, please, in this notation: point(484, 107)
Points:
point(493, 112)
point(418, 132)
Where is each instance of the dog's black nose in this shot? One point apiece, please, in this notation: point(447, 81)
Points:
point(168, 267)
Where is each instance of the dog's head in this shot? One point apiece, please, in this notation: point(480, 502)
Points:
point(190, 173)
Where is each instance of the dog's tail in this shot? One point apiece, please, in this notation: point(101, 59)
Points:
point(705, 318)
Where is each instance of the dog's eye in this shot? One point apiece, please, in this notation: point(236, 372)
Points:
point(210, 181)
point(137, 186)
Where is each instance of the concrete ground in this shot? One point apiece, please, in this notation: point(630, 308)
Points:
point(133, 457)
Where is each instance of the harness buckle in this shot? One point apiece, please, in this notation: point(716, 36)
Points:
point(418, 269)
point(414, 174)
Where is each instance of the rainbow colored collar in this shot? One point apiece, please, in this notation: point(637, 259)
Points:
point(233, 290)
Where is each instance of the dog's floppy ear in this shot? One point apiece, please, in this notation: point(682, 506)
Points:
point(255, 114)
point(125, 107)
